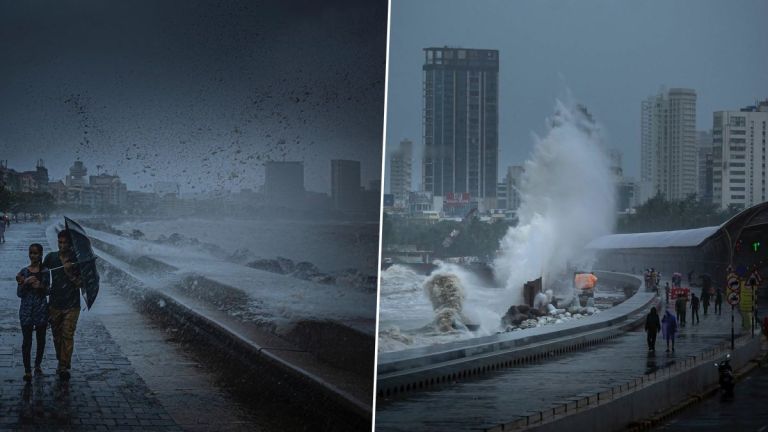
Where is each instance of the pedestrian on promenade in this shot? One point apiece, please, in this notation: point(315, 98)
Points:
point(652, 328)
point(694, 309)
point(705, 296)
point(32, 288)
point(669, 329)
point(64, 309)
point(2, 232)
point(680, 306)
point(719, 301)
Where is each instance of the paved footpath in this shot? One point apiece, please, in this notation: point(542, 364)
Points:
point(128, 373)
point(104, 393)
point(501, 396)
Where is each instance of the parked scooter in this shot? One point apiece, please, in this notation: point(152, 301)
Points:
point(727, 379)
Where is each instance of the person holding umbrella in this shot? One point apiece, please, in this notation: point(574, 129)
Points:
point(64, 306)
point(73, 269)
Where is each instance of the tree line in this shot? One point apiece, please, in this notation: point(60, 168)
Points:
point(470, 238)
point(660, 214)
point(26, 202)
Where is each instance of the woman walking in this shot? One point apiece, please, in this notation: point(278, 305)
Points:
point(669, 327)
point(33, 313)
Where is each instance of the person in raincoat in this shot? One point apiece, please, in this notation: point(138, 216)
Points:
point(669, 329)
point(652, 328)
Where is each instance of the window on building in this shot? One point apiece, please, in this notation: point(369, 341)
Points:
point(737, 121)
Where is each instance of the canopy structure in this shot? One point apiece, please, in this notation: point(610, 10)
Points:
point(661, 239)
point(711, 250)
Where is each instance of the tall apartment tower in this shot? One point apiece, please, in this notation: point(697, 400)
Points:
point(668, 160)
point(738, 139)
point(400, 176)
point(345, 184)
point(706, 165)
point(461, 122)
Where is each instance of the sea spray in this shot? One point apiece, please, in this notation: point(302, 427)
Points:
point(567, 199)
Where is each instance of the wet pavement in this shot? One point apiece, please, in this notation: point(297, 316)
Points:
point(129, 373)
point(502, 396)
point(747, 411)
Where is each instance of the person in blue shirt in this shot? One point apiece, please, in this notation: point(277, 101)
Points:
point(32, 288)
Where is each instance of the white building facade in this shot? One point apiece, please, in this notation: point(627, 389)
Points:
point(668, 160)
point(738, 139)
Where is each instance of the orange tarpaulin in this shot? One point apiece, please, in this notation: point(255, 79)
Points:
point(585, 280)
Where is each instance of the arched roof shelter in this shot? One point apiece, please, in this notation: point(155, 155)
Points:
point(741, 242)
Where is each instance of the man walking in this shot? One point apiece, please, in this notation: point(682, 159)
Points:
point(680, 306)
point(719, 302)
point(64, 305)
point(652, 327)
point(694, 309)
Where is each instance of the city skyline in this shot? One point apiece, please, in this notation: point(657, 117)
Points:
point(625, 53)
point(201, 93)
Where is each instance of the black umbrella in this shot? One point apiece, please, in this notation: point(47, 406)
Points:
point(86, 261)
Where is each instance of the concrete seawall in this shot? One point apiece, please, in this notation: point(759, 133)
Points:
point(286, 366)
point(418, 369)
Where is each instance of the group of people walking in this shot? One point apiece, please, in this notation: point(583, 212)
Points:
point(666, 325)
point(49, 292)
point(670, 323)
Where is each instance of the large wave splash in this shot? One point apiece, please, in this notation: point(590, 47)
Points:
point(567, 199)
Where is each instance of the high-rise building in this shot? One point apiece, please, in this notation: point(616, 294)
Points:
point(284, 183)
point(738, 139)
point(514, 182)
point(668, 145)
point(705, 163)
point(461, 122)
point(400, 172)
point(345, 184)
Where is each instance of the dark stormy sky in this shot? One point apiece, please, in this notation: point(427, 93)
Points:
point(199, 92)
point(610, 54)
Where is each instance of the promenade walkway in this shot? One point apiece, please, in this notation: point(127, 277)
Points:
point(105, 393)
point(129, 372)
point(499, 397)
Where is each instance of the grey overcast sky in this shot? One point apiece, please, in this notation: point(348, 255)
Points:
point(195, 91)
point(610, 54)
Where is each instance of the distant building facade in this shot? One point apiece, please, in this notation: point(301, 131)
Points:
point(284, 183)
point(706, 165)
point(739, 153)
point(461, 122)
point(668, 145)
point(25, 181)
point(345, 184)
point(400, 172)
point(514, 180)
